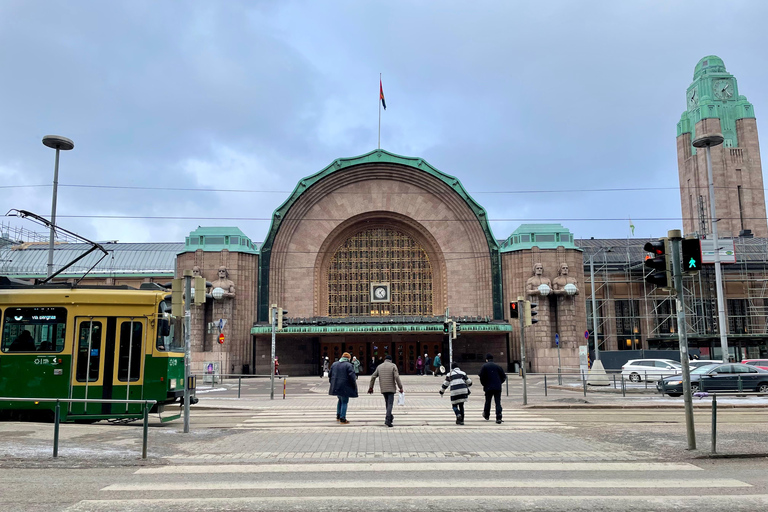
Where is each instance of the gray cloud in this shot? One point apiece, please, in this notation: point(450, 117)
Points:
point(507, 96)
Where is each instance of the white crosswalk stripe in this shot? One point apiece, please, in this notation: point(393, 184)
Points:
point(425, 484)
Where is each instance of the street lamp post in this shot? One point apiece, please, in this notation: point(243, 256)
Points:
point(707, 142)
point(58, 143)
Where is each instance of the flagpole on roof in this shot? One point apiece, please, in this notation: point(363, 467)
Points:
point(379, 101)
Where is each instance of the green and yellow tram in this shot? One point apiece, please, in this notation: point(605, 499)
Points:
point(60, 341)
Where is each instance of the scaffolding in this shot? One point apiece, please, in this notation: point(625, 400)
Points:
point(635, 315)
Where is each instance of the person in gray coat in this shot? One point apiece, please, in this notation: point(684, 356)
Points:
point(388, 378)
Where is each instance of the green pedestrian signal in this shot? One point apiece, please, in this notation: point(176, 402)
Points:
point(691, 249)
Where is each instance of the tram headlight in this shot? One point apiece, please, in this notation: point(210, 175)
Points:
point(172, 384)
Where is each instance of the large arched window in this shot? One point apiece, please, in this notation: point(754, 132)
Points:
point(378, 255)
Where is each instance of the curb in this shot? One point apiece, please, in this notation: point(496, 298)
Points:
point(642, 406)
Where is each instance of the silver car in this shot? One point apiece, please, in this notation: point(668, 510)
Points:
point(638, 370)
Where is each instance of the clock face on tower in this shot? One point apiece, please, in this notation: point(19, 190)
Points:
point(379, 292)
point(693, 98)
point(722, 89)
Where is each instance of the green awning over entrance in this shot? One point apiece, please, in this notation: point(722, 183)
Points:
point(381, 329)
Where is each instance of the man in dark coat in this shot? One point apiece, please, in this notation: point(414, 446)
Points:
point(492, 377)
point(343, 385)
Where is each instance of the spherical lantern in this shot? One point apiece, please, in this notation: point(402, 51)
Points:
point(544, 289)
point(571, 289)
point(218, 293)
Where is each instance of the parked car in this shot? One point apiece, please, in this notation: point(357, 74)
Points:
point(637, 370)
point(718, 377)
point(757, 363)
point(695, 363)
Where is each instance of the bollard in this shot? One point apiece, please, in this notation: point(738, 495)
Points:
point(146, 431)
point(56, 421)
point(646, 379)
point(614, 381)
point(584, 381)
point(545, 384)
point(741, 385)
point(507, 381)
point(239, 384)
point(714, 423)
point(283, 388)
point(623, 387)
point(559, 377)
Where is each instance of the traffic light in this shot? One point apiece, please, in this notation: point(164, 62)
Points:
point(280, 314)
point(513, 312)
point(691, 249)
point(660, 262)
point(177, 298)
point(446, 327)
point(529, 312)
point(458, 330)
point(453, 329)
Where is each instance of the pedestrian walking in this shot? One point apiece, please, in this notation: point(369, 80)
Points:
point(459, 383)
point(388, 377)
point(326, 367)
point(436, 363)
point(343, 385)
point(277, 369)
point(492, 376)
point(356, 365)
point(427, 361)
point(419, 366)
point(372, 367)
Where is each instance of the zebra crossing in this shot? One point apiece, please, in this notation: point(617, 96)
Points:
point(415, 417)
point(418, 485)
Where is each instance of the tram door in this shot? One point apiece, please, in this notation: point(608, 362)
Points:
point(108, 363)
point(128, 371)
point(88, 363)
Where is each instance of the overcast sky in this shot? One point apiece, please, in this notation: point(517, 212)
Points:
point(509, 97)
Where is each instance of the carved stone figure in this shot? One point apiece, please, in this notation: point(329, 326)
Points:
point(564, 284)
point(537, 284)
point(226, 285)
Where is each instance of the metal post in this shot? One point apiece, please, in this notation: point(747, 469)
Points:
point(545, 384)
point(623, 387)
point(584, 382)
point(559, 364)
point(614, 381)
point(146, 431)
point(450, 346)
point(239, 384)
point(56, 422)
point(714, 423)
point(53, 213)
point(707, 142)
point(675, 237)
point(283, 388)
point(273, 318)
point(187, 345)
point(507, 381)
point(559, 376)
point(521, 308)
point(594, 310)
point(741, 384)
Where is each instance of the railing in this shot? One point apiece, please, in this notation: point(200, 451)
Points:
point(714, 411)
point(240, 377)
point(57, 414)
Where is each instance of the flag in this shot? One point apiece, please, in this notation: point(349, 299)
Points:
point(631, 227)
point(381, 95)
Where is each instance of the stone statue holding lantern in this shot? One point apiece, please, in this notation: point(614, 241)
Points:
point(564, 284)
point(537, 284)
point(223, 287)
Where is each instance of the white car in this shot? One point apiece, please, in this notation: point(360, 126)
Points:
point(638, 370)
point(695, 363)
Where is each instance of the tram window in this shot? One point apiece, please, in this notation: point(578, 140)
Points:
point(88, 364)
point(130, 348)
point(34, 329)
point(173, 342)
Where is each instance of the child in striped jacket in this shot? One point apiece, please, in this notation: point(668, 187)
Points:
point(459, 383)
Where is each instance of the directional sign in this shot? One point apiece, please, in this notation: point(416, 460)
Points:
point(221, 323)
point(557, 339)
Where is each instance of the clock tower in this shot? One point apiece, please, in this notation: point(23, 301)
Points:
point(714, 106)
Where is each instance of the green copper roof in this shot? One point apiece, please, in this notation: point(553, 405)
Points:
point(714, 93)
point(543, 236)
point(219, 238)
point(380, 329)
point(376, 157)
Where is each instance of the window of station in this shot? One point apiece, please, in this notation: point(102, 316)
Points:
point(34, 329)
point(545, 238)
